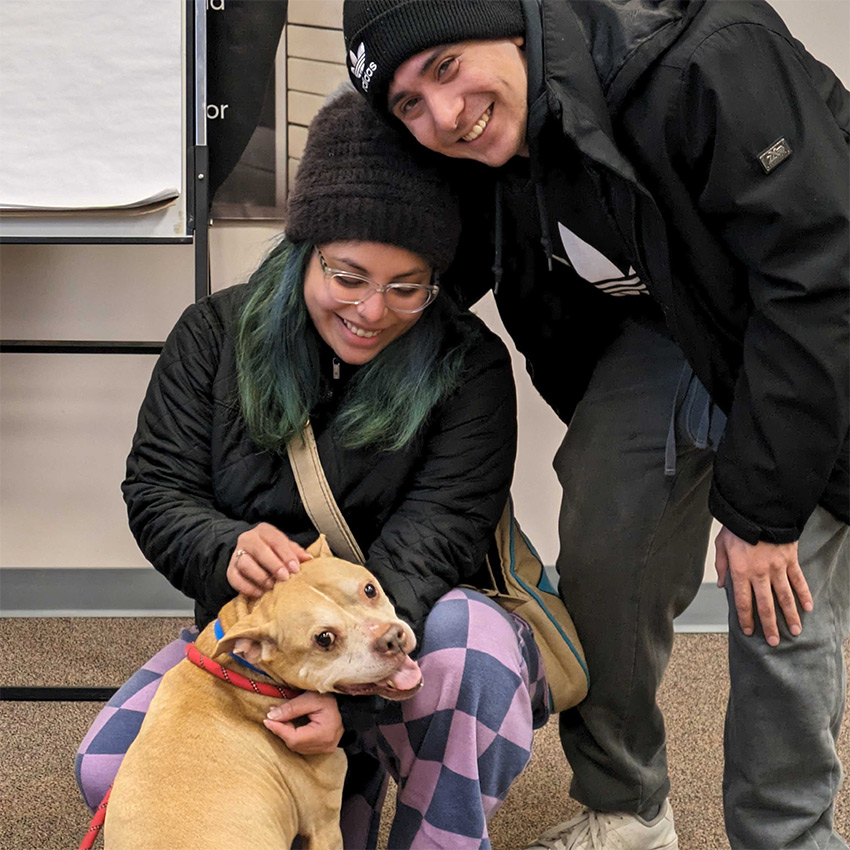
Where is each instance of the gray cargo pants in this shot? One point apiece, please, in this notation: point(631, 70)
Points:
point(633, 546)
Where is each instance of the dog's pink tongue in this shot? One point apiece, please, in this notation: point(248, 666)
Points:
point(408, 676)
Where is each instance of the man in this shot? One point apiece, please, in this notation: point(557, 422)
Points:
point(666, 200)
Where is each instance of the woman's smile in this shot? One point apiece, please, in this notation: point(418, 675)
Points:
point(360, 332)
point(357, 332)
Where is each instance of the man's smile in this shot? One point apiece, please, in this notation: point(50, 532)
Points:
point(478, 129)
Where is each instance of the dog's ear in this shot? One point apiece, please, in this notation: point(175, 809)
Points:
point(249, 642)
point(320, 548)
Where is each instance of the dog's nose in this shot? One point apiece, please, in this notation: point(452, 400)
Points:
point(392, 640)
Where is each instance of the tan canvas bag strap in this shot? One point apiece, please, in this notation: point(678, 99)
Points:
point(318, 499)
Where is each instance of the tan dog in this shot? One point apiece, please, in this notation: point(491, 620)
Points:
point(204, 773)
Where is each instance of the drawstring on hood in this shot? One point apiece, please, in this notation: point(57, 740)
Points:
point(537, 111)
point(498, 271)
point(544, 221)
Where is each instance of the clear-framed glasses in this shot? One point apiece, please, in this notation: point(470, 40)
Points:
point(351, 288)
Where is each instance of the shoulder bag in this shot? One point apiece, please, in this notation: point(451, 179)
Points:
point(513, 576)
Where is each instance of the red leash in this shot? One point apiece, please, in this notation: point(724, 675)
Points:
point(96, 823)
point(269, 689)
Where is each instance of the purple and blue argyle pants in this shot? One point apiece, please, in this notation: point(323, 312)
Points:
point(454, 749)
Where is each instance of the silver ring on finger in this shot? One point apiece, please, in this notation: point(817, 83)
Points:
point(237, 555)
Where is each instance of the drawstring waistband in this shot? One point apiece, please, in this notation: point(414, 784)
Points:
point(703, 437)
point(681, 392)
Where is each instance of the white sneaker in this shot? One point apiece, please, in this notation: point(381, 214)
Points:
point(606, 831)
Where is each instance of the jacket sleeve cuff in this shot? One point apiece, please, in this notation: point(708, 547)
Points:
point(220, 589)
point(749, 531)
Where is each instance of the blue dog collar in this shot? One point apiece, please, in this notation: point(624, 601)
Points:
point(219, 634)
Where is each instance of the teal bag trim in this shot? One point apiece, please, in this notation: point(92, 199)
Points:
point(532, 591)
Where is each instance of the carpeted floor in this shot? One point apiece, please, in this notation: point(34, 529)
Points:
point(42, 809)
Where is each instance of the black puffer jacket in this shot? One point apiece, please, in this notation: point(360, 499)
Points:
point(423, 516)
point(665, 108)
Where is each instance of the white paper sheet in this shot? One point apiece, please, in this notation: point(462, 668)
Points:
point(91, 103)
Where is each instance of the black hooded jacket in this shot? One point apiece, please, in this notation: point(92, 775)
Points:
point(423, 516)
point(666, 110)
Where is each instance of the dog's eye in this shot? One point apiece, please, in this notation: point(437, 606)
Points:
point(370, 590)
point(325, 639)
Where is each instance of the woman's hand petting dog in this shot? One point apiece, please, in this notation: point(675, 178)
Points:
point(263, 555)
point(322, 731)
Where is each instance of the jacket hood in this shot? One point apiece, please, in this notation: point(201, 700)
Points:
point(624, 38)
point(582, 59)
point(595, 51)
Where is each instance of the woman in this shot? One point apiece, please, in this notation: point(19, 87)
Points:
point(413, 407)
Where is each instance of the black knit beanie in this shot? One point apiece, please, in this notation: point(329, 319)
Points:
point(380, 35)
point(362, 180)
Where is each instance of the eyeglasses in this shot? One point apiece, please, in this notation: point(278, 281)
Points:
point(350, 288)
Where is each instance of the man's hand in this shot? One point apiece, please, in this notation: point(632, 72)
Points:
point(321, 733)
point(263, 555)
point(762, 570)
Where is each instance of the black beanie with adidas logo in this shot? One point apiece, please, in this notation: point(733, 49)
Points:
point(361, 180)
point(380, 35)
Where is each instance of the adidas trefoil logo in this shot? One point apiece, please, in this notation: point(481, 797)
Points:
point(358, 61)
point(359, 68)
